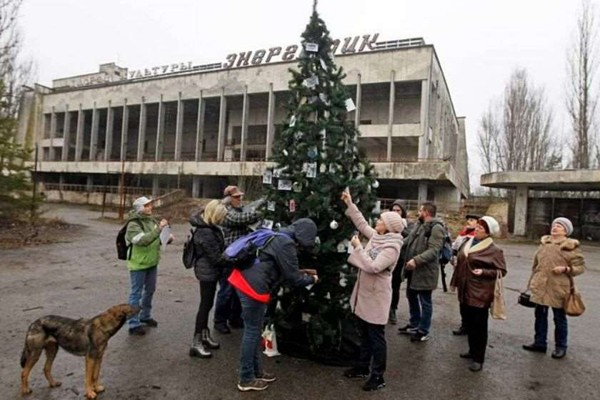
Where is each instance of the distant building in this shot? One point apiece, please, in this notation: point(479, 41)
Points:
point(200, 127)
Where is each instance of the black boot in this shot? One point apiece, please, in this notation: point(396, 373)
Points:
point(197, 349)
point(208, 341)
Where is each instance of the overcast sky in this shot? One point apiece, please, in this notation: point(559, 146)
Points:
point(479, 42)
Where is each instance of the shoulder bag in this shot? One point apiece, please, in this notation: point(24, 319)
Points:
point(498, 308)
point(573, 305)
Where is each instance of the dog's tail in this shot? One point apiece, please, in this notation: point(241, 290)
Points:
point(24, 354)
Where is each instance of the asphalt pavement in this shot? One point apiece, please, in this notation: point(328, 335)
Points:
point(80, 277)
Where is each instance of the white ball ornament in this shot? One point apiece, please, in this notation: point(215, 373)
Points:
point(334, 224)
point(375, 184)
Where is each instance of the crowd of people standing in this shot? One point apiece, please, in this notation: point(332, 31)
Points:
point(396, 249)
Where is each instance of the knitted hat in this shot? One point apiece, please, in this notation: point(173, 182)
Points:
point(565, 224)
point(490, 225)
point(140, 202)
point(393, 221)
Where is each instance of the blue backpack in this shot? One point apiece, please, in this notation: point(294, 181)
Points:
point(243, 252)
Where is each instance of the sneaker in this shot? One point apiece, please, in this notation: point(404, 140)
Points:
point(356, 372)
point(407, 330)
point(255, 384)
point(266, 377)
point(419, 337)
point(137, 331)
point(374, 383)
point(393, 319)
point(222, 328)
point(150, 322)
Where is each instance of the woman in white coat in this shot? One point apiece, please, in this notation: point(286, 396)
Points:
point(372, 293)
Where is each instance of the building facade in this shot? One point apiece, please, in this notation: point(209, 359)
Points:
point(199, 128)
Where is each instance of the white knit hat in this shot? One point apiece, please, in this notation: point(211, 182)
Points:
point(491, 225)
point(393, 221)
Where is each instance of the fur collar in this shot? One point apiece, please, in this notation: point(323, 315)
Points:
point(565, 244)
point(484, 244)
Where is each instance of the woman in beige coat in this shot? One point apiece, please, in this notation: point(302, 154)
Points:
point(372, 293)
point(557, 257)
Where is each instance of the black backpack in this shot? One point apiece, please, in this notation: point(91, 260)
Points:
point(189, 255)
point(123, 248)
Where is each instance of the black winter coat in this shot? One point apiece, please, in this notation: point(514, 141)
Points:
point(279, 260)
point(209, 243)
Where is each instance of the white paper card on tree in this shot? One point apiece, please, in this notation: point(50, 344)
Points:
point(311, 81)
point(323, 64)
point(270, 205)
point(284, 184)
point(267, 224)
point(341, 247)
point(267, 177)
point(377, 208)
point(312, 47)
point(350, 105)
point(311, 170)
point(293, 120)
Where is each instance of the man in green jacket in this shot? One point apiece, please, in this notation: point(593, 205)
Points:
point(422, 270)
point(143, 233)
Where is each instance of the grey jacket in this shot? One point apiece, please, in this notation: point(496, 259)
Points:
point(424, 244)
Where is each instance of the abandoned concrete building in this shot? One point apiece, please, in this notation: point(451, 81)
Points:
point(201, 127)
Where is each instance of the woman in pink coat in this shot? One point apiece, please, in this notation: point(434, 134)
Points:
point(372, 293)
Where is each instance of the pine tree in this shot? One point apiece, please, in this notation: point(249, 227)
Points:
point(315, 158)
point(15, 184)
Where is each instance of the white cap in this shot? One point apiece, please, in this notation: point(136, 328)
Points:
point(140, 202)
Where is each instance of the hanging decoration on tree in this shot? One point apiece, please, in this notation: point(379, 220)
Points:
point(315, 158)
point(312, 47)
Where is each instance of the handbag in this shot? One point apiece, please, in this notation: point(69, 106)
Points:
point(498, 308)
point(573, 305)
point(525, 299)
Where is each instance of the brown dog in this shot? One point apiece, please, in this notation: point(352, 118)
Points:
point(82, 337)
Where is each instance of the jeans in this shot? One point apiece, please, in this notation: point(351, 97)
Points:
point(143, 285)
point(253, 314)
point(228, 304)
point(207, 300)
point(476, 322)
point(372, 347)
point(561, 327)
point(420, 308)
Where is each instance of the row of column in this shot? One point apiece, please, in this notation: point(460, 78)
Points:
point(222, 131)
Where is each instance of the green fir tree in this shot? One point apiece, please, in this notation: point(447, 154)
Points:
point(16, 202)
point(316, 157)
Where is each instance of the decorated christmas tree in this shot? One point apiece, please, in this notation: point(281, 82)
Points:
point(315, 158)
